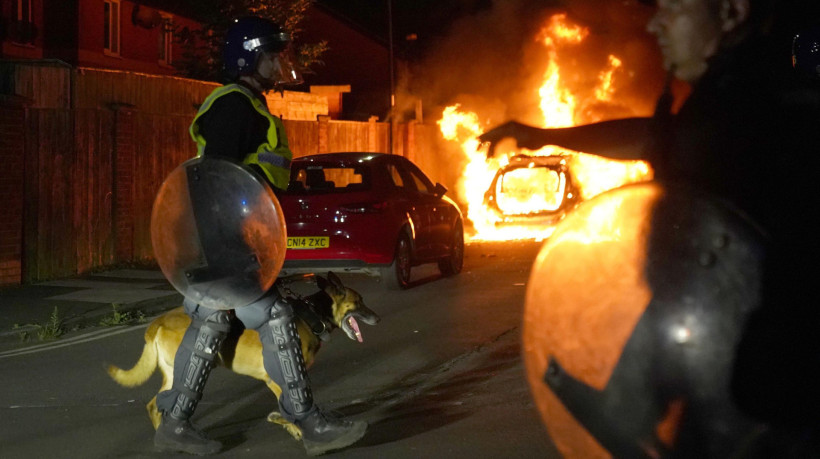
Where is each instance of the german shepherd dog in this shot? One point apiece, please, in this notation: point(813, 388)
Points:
point(337, 305)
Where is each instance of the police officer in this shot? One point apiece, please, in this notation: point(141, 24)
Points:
point(743, 139)
point(234, 123)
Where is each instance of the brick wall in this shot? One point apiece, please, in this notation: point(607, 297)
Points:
point(292, 105)
point(12, 149)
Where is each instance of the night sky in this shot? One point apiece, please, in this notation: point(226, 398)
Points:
point(427, 20)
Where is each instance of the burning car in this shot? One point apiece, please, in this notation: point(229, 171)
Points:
point(577, 86)
point(532, 190)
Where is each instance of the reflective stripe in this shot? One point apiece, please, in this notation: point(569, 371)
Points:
point(249, 45)
point(274, 159)
point(252, 44)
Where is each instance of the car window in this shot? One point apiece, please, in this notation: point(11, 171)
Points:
point(533, 188)
point(395, 175)
point(420, 183)
point(325, 178)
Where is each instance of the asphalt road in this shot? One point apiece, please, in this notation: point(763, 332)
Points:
point(440, 376)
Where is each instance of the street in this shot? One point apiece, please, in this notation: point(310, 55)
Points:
point(440, 376)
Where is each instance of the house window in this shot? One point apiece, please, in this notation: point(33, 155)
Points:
point(24, 11)
point(166, 39)
point(22, 29)
point(111, 27)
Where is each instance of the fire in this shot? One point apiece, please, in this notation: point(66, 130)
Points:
point(558, 103)
point(605, 90)
point(533, 192)
point(479, 171)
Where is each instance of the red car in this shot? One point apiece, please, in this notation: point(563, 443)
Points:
point(369, 212)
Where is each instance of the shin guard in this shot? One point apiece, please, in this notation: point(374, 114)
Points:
point(283, 360)
point(189, 385)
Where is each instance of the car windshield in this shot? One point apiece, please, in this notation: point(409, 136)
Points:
point(530, 190)
point(318, 178)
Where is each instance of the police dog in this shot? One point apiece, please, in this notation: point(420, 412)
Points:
point(338, 306)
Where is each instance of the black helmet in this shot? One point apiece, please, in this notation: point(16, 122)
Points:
point(246, 39)
point(806, 52)
point(635, 310)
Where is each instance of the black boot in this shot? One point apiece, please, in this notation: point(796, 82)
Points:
point(180, 435)
point(284, 363)
point(192, 366)
point(322, 433)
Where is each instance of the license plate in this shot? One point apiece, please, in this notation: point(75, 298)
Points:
point(309, 242)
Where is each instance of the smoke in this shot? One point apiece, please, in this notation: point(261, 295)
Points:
point(492, 64)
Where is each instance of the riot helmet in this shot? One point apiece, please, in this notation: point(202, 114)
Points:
point(260, 48)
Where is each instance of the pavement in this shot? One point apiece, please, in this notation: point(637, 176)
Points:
point(29, 314)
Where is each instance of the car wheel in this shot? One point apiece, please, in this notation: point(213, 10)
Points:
point(397, 275)
point(453, 263)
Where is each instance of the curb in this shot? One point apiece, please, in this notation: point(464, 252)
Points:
point(149, 307)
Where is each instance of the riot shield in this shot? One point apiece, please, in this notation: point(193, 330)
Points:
point(218, 233)
point(634, 310)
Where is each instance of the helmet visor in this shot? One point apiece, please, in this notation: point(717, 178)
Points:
point(279, 68)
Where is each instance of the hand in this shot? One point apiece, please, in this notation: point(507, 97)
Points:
point(525, 136)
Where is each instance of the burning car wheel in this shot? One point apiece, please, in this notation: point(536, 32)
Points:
point(455, 261)
point(397, 275)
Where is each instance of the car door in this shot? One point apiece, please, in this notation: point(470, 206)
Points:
point(406, 196)
point(427, 213)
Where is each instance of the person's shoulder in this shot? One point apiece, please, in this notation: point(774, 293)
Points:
point(234, 102)
point(235, 96)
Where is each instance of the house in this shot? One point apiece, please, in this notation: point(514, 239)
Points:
point(109, 34)
point(354, 57)
point(136, 36)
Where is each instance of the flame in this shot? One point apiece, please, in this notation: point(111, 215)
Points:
point(456, 124)
point(558, 105)
point(605, 90)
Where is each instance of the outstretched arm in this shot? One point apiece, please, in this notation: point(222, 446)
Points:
point(617, 139)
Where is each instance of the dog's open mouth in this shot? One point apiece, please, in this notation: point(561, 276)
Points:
point(353, 332)
point(350, 322)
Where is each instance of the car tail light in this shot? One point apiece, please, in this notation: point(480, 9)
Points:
point(364, 207)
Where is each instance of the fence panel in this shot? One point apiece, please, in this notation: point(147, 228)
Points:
point(347, 136)
point(161, 144)
point(53, 230)
point(93, 187)
point(48, 230)
point(69, 180)
point(302, 137)
point(86, 172)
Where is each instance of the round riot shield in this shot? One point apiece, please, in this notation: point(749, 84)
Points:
point(218, 233)
point(634, 311)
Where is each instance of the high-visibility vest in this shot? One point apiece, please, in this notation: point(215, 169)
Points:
point(273, 156)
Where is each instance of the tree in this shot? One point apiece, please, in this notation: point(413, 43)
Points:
point(202, 48)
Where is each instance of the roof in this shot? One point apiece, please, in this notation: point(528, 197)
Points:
point(340, 157)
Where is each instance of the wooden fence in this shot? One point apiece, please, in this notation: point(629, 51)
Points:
point(91, 175)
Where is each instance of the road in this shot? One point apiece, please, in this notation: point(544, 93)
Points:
point(440, 376)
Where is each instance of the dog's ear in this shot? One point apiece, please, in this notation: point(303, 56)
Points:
point(322, 282)
point(334, 279)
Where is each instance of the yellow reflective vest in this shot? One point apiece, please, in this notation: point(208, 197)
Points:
point(273, 156)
